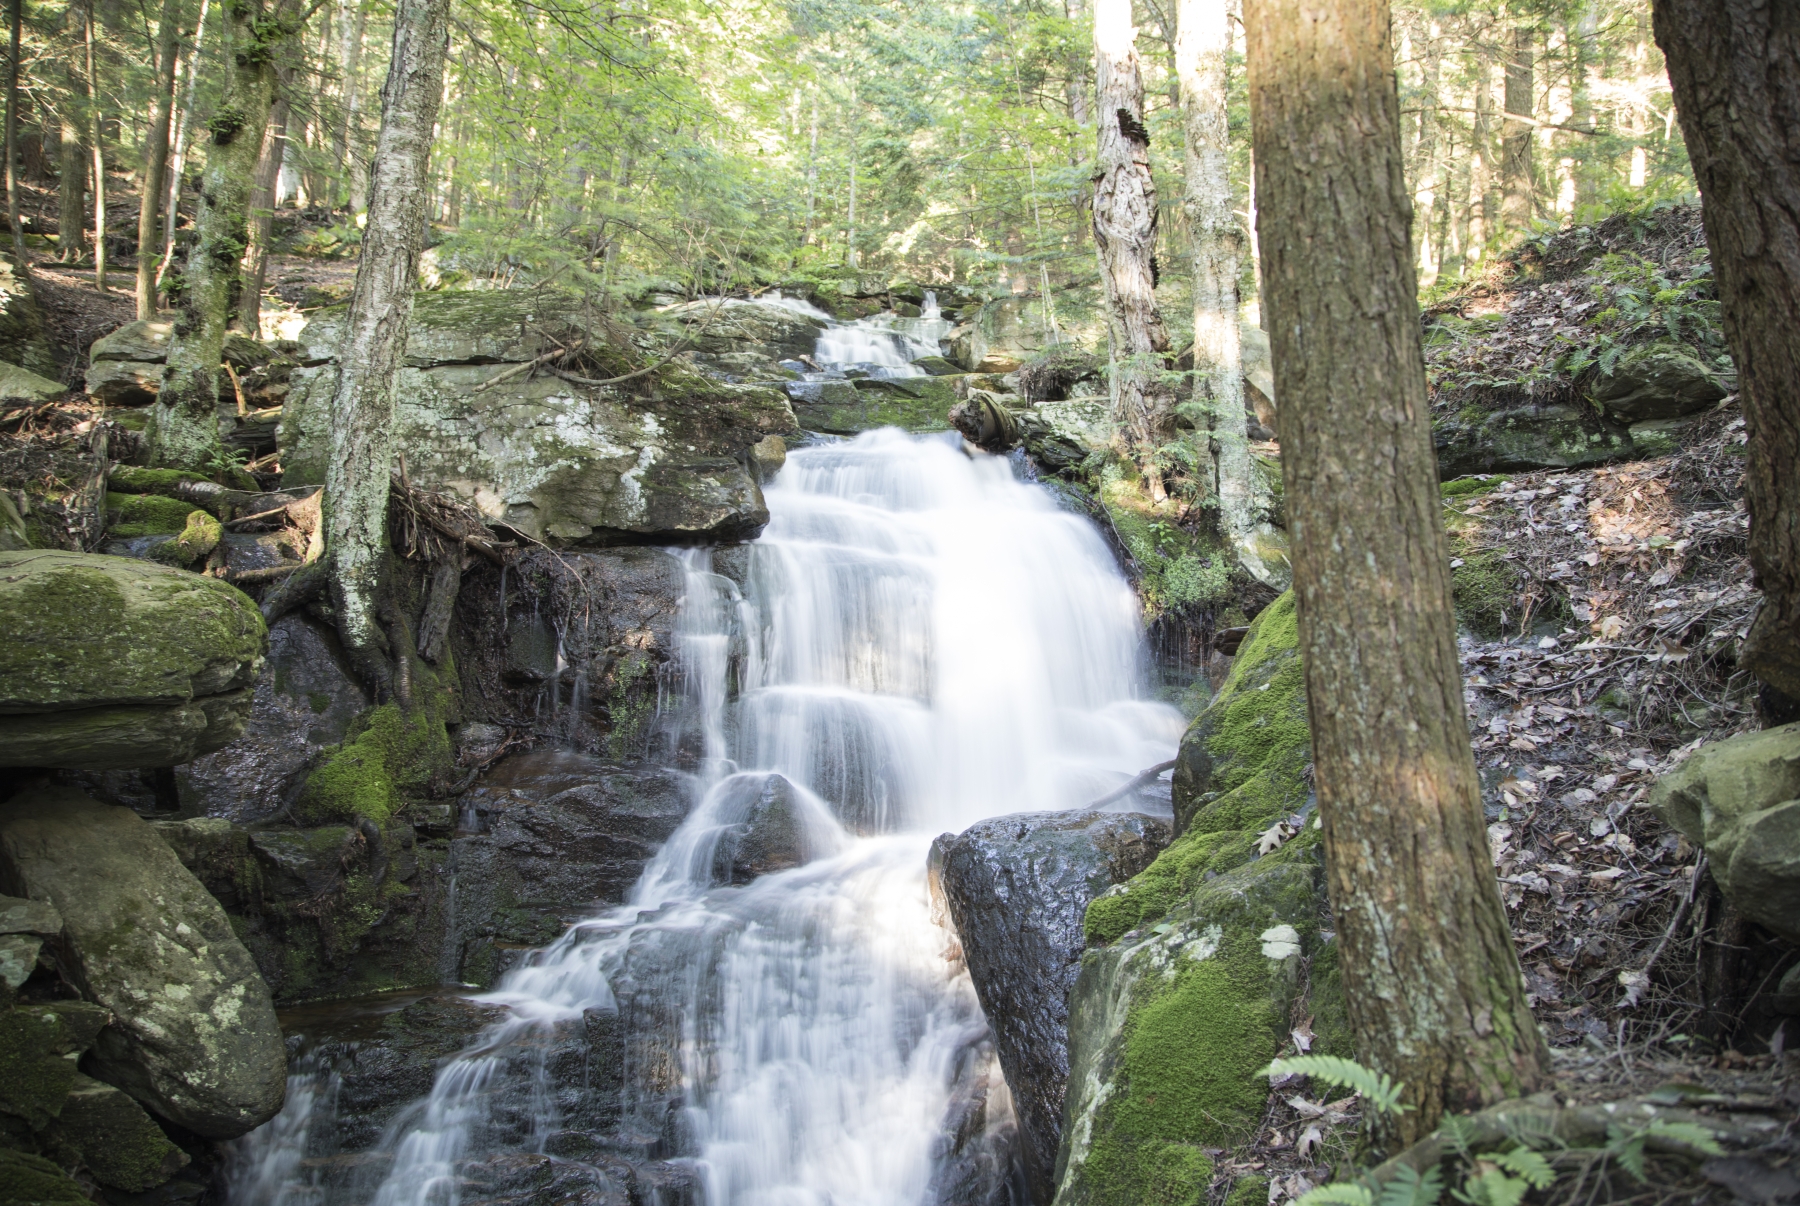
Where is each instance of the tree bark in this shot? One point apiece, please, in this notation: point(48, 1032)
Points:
point(156, 155)
point(1735, 69)
point(1125, 235)
point(1435, 994)
point(184, 425)
point(1202, 50)
point(71, 186)
point(97, 134)
point(262, 209)
point(15, 19)
point(1516, 134)
point(362, 405)
point(178, 148)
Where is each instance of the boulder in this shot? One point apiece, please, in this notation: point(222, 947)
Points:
point(193, 1035)
point(1521, 438)
point(1662, 380)
point(109, 662)
point(765, 832)
point(1017, 888)
point(304, 702)
point(660, 459)
point(23, 385)
point(936, 366)
point(125, 368)
point(1740, 800)
point(28, 1180)
point(116, 1141)
point(24, 925)
point(38, 1048)
point(849, 407)
point(1197, 961)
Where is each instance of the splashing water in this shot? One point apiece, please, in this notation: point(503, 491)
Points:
point(920, 642)
point(883, 345)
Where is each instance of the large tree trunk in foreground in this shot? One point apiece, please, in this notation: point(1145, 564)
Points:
point(184, 430)
point(156, 156)
point(1202, 49)
point(1435, 994)
point(362, 406)
point(1735, 68)
point(1125, 231)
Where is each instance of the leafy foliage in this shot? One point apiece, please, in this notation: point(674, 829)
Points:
point(1377, 1088)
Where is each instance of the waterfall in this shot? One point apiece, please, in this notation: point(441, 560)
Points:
point(919, 642)
point(883, 345)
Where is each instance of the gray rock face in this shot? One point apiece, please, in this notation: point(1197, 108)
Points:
point(1740, 799)
point(1018, 888)
point(193, 1035)
point(1657, 381)
point(656, 460)
point(109, 662)
point(770, 836)
point(304, 703)
point(1523, 438)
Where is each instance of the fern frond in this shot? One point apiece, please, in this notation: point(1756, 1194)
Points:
point(1408, 1188)
point(1377, 1088)
point(1344, 1193)
point(1528, 1166)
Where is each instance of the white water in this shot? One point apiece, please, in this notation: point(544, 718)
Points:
point(922, 642)
point(884, 345)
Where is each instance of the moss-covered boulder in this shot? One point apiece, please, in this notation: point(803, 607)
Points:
point(1478, 440)
point(113, 1138)
point(1740, 799)
point(1662, 380)
point(1200, 957)
point(660, 459)
point(111, 662)
point(193, 1035)
point(23, 385)
point(28, 1180)
point(846, 408)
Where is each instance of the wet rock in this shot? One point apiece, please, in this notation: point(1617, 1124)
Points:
point(769, 454)
point(1740, 799)
point(1018, 888)
point(936, 366)
point(113, 1137)
point(769, 837)
point(304, 702)
point(107, 662)
point(193, 1035)
point(28, 1180)
point(1663, 380)
point(660, 460)
point(982, 1164)
point(846, 408)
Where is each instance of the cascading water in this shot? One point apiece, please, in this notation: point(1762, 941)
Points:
point(919, 642)
point(883, 345)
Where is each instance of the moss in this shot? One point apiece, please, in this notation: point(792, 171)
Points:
point(199, 537)
point(27, 1180)
point(1252, 1190)
point(387, 762)
point(146, 514)
point(1177, 566)
point(1468, 487)
point(1484, 588)
point(129, 479)
point(34, 1077)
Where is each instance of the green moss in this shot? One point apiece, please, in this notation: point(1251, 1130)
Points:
point(1467, 487)
point(129, 479)
point(1252, 1190)
point(1177, 566)
point(34, 1077)
point(146, 514)
point(199, 537)
point(27, 1180)
point(387, 762)
point(1484, 587)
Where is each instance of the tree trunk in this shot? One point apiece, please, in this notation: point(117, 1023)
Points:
point(350, 167)
point(1435, 994)
point(1125, 235)
point(71, 187)
point(156, 155)
point(15, 19)
point(1517, 134)
point(178, 149)
point(97, 132)
point(1202, 50)
point(362, 406)
point(1735, 69)
point(262, 210)
point(184, 426)
point(1482, 216)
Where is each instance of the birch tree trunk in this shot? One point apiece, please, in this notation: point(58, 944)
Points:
point(184, 424)
point(262, 209)
point(1434, 990)
point(1202, 47)
point(97, 137)
point(15, 19)
point(156, 155)
point(178, 147)
point(1125, 235)
point(1735, 69)
point(362, 405)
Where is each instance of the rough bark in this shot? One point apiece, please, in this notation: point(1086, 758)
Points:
point(97, 141)
point(184, 426)
point(178, 147)
point(71, 188)
point(1435, 994)
point(156, 155)
point(1516, 133)
point(262, 210)
point(14, 19)
point(1202, 50)
point(1125, 235)
point(1735, 69)
point(362, 405)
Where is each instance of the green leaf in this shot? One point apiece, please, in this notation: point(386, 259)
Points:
point(1344, 1193)
point(1378, 1089)
point(1528, 1165)
point(1494, 1188)
point(1408, 1188)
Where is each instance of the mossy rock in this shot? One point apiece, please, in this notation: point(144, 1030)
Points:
point(918, 404)
point(1200, 957)
point(116, 1141)
point(1484, 589)
point(27, 1180)
point(386, 763)
point(130, 515)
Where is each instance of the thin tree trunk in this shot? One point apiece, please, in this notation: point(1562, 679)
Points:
point(184, 426)
point(1481, 191)
point(97, 124)
point(262, 209)
point(71, 186)
point(362, 406)
point(178, 148)
point(1125, 235)
point(350, 168)
point(1202, 50)
point(1516, 171)
point(1735, 69)
point(850, 232)
point(156, 155)
point(15, 20)
point(1435, 994)
point(812, 171)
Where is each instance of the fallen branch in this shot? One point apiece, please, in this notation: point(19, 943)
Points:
point(1637, 982)
point(516, 369)
point(266, 574)
point(1143, 778)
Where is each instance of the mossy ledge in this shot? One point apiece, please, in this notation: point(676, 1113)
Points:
point(1198, 961)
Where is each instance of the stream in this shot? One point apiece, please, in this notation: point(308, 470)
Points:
point(920, 641)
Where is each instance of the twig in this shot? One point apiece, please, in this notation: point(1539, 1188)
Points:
point(516, 369)
point(237, 387)
point(266, 574)
point(1144, 777)
point(1640, 980)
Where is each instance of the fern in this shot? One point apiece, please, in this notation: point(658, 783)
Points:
point(1377, 1088)
point(1528, 1166)
point(1626, 1145)
point(1344, 1193)
point(1408, 1188)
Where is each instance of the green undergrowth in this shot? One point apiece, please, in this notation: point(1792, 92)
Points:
point(387, 762)
point(1178, 565)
